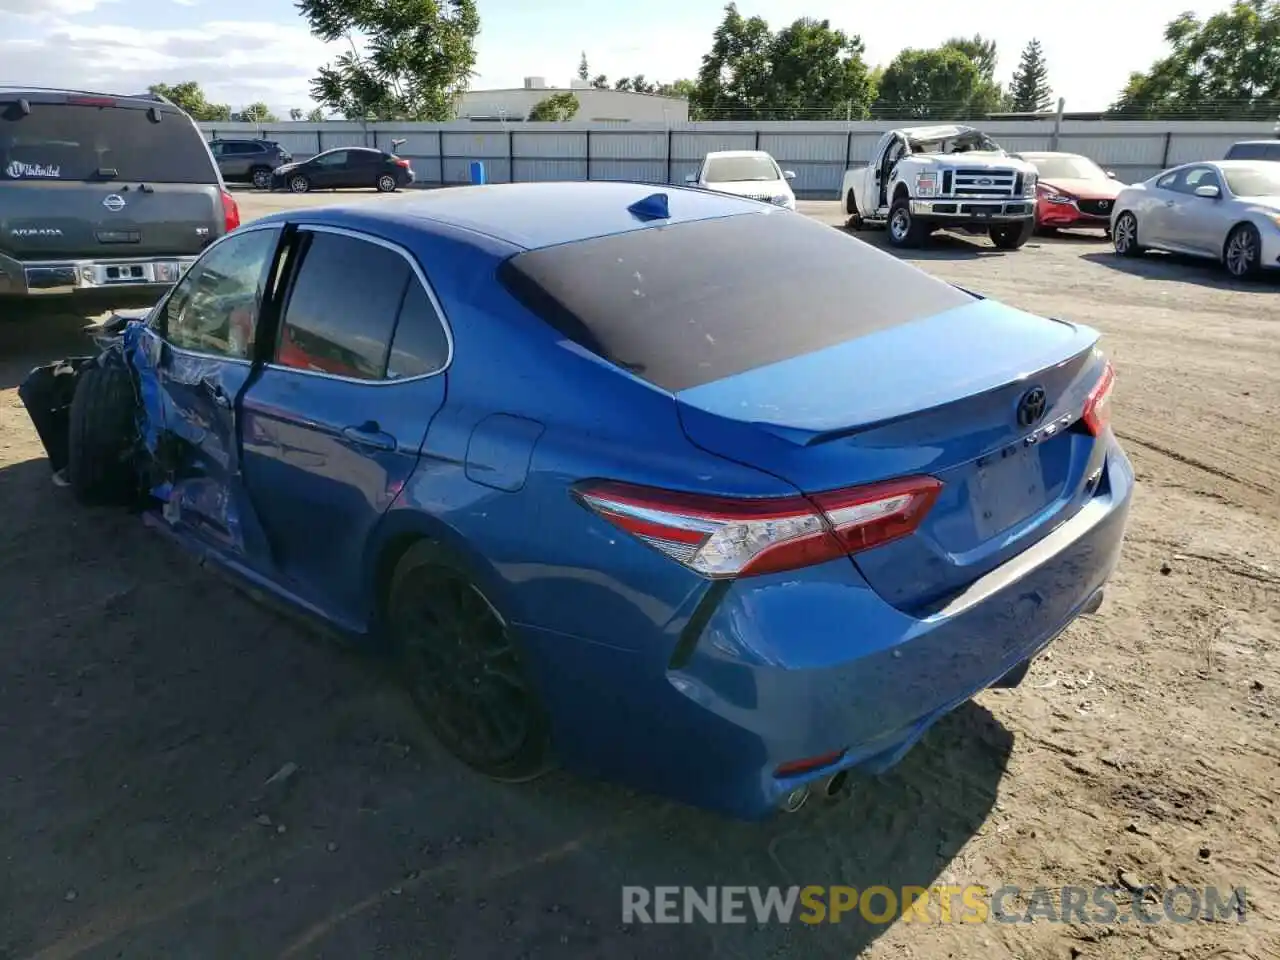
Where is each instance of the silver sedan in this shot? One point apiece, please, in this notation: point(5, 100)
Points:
point(1228, 210)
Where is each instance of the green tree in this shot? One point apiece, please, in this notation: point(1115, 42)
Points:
point(295, 113)
point(557, 107)
point(680, 89)
point(189, 98)
point(805, 70)
point(1227, 66)
point(1030, 91)
point(419, 55)
point(939, 84)
point(980, 50)
point(636, 84)
point(257, 113)
point(584, 71)
point(600, 82)
point(316, 115)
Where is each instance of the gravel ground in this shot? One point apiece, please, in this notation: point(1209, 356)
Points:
point(187, 775)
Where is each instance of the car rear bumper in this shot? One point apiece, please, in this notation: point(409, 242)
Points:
point(789, 667)
point(34, 278)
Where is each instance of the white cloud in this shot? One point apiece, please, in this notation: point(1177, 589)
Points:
point(235, 62)
point(41, 9)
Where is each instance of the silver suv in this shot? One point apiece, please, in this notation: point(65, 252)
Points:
point(249, 160)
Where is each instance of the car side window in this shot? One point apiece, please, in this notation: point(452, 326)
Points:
point(1198, 177)
point(342, 307)
point(217, 149)
point(1166, 182)
point(335, 159)
point(214, 308)
point(420, 345)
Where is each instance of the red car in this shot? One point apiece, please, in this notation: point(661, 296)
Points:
point(1073, 191)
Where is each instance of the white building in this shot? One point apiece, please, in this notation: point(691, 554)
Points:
point(595, 106)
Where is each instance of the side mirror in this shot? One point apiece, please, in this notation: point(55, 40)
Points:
point(1111, 174)
point(691, 178)
point(789, 174)
point(1209, 191)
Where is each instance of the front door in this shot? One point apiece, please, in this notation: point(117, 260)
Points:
point(333, 427)
point(201, 346)
point(1199, 224)
point(329, 169)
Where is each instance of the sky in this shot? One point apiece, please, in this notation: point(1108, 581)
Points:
point(242, 51)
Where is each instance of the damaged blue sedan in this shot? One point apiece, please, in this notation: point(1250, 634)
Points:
point(675, 488)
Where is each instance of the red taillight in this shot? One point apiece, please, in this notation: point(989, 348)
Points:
point(230, 212)
point(401, 162)
point(92, 101)
point(720, 537)
point(1097, 409)
point(794, 768)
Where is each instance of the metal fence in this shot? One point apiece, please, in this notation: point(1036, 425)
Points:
point(818, 151)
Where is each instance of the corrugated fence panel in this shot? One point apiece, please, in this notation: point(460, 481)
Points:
point(1117, 151)
point(684, 168)
point(629, 146)
point(344, 138)
point(533, 169)
point(475, 146)
point(300, 145)
point(805, 147)
point(693, 146)
point(1018, 144)
point(416, 143)
point(1186, 149)
point(458, 169)
point(646, 171)
point(552, 145)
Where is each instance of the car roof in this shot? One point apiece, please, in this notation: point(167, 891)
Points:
point(10, 91)
point(737, 153)
point(1256, 143)
point(536, 215)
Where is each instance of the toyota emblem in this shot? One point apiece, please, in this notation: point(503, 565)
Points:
point(114, 202)
point(1032, 406)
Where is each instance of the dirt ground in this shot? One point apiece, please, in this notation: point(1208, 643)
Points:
point(145, 707)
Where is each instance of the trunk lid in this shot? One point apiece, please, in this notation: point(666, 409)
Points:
point(50, 220)
point(937, 396)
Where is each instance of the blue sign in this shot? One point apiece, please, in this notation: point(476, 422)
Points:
point(477, 171)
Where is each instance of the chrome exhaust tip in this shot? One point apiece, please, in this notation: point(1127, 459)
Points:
point(796, 799)
point(836, 786)
point(1094, 603)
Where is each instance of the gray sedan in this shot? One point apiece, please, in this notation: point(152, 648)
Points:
point(1228, 210)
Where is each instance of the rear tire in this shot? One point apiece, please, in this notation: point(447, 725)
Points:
point(102, 432)
point(261, 178)
point(463, 669)
point(1012, 236)
point(905, 231)
point(386, 184)
point(1124, 236)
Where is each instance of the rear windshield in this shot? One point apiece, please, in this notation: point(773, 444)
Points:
point(684, 305)
point(58, 141)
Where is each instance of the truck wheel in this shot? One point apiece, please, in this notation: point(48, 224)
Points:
point(1011, 236)
point(851, 208)
point(904, 229)
point(102, 427)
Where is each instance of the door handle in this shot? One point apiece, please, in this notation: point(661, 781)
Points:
point(369, 434)
point(1171, 203)
point(216, 394)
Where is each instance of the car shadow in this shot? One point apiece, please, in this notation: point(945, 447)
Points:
point(1178, 268)
point(196, 776)
point(38, 332)
point(943, 245)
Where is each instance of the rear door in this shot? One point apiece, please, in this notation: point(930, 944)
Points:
point(333, 427)
point(93, 177)
point(205, 334)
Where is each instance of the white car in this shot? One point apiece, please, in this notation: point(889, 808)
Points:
point(1228, 210)
point(746, 173)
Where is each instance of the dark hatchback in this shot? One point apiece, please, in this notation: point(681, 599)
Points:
point(103, 193)
point(345, 167)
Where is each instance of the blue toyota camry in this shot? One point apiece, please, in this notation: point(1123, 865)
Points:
point(671, 487)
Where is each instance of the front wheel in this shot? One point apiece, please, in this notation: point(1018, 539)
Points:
point(905, 230)
point(299, 184)
point(1242, 254)
point(1011, 236)
point(463, 669)
point(386, 183)
point(102, 427)
point(1124, 235)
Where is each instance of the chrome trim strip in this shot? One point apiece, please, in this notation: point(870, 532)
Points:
point(1013, 570)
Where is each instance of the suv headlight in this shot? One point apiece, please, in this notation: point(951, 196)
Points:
point(926, 184)
point(1029, 185)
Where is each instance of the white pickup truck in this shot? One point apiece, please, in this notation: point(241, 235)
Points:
point(923, 179)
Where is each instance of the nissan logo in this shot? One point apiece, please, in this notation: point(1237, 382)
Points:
point(1032, 406)
point(114, 202)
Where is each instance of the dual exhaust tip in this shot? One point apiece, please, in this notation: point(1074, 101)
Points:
point(831, 789)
